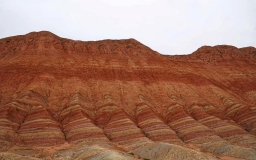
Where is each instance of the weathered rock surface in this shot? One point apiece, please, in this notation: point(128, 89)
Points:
point(118, 99)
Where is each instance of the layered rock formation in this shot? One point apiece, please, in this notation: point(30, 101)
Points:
point(118, 99)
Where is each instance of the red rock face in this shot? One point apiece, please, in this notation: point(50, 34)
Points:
point(123, 95)
point(225, 129)
point(153, 127)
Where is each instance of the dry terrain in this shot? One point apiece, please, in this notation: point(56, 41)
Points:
point(62, 99)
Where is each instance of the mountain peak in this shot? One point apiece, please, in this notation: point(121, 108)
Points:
point(219, 53)
point(45, 41)
point(41, 34)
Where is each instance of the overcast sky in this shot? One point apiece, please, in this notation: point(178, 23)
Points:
point(166, 26)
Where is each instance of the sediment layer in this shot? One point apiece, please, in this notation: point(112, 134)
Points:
point(122, 96)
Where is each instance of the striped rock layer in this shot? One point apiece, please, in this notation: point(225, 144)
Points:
point(122, 95)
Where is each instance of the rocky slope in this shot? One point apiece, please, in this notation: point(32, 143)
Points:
point(118, 99)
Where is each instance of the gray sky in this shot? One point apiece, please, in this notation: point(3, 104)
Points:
point(166, 26)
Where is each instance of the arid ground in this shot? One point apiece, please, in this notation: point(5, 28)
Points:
point(118, 99)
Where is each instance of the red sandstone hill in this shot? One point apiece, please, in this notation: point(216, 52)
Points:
point(118, 99)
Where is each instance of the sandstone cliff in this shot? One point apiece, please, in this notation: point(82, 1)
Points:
point(118, 99)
